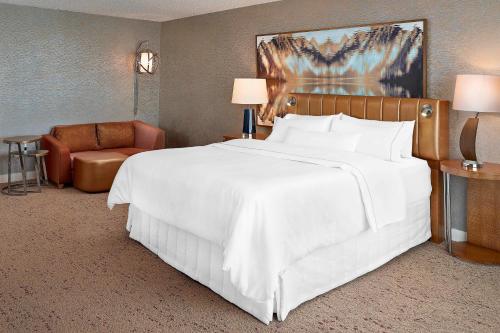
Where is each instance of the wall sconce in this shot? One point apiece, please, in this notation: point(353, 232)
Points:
point(146, 61)
point(426, 111)
point(292, 101)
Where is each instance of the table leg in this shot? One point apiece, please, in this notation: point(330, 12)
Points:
point(447, 211)
point(23, 171)
point(37, 171)
point(445, 198)
point(44, 168)
point(9, 169)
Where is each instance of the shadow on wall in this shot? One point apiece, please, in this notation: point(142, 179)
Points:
point(176, 139)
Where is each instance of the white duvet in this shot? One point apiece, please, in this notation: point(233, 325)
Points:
point(266, 204)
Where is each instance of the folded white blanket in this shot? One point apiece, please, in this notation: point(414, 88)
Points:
point(266, 204)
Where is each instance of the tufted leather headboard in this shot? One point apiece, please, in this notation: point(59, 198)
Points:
point(430, 137)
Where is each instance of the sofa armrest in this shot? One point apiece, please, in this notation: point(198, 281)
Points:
point(58, 160)
point(148, 137)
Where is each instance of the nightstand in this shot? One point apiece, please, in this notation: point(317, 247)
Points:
point(257, 136)
point(483, 212)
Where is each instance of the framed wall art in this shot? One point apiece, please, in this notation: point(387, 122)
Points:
point(383, 59)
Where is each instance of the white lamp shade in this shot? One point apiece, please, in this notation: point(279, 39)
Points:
point(249, 91)
point(478, 93)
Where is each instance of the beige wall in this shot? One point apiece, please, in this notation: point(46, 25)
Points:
point(202, 55)
point(60, 67)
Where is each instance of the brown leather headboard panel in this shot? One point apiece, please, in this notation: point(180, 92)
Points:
point(430, 137)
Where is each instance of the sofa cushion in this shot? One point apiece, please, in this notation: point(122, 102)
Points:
point(77, 137)
point(115, 135)
point(96, 155)
point(125, 151)
point(95, 173)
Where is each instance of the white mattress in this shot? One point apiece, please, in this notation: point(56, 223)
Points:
point(319, 272)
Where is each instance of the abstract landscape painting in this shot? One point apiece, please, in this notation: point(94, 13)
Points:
point(376, 60)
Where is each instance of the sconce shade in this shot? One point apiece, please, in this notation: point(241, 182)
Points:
point(249, 91)
point(146, 62)
point(477, 93)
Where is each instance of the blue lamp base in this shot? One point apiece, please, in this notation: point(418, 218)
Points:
point(249, 121)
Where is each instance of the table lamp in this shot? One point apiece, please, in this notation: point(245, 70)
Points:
point(477, 93)
point(249, 92)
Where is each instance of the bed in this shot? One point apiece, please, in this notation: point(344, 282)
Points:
point(268, 225)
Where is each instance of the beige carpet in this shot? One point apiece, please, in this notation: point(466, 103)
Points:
point(67, 265)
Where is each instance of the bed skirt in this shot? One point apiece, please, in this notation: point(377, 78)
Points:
point(313, 275)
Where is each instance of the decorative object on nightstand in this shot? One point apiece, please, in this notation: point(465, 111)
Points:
point(256, 136)
point(249, 92)
point(477, 93)
point(483, 212)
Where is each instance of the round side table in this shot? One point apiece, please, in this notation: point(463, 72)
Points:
point(19, 141)
point(40, 167)
point(483, 212)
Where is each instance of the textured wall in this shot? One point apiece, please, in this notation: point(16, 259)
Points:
point(59, 67)
point(205, 53)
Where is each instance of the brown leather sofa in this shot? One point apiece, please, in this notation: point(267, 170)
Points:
point(93, 141)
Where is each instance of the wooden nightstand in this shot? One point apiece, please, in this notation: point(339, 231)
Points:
point(258, 136)
point(483, 212)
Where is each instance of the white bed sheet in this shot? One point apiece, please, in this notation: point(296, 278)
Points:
point(267, 204)
point(318, 272)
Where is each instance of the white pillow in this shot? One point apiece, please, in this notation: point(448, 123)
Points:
point(407, 134)
point(375, 141)
point(312, 123)
point(328, 140)
point(297, 116)
point(404, 138)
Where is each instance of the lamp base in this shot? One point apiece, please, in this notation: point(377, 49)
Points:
point(468, 139)
point(247, 136)
point(249, 121)
point(473, 165)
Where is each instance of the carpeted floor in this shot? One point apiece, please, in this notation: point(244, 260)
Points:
point(67, 265)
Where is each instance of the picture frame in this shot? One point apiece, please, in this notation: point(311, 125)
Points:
point(379, 59)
